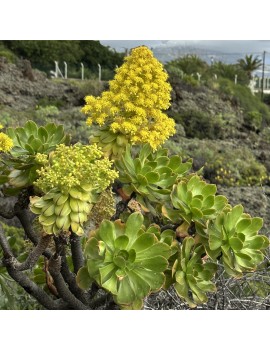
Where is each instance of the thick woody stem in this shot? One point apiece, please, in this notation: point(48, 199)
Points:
point(23, 216)
point(34, 290)
point(5, 245)
point(33, 256)
point(59, 282)
point(68, 276)
point(76, 251)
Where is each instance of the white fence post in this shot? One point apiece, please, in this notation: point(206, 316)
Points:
point(99, 72)
point(65, 64)
point(57, 70)
point(82, 66)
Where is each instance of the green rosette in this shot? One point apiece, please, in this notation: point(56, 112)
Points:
point(194, 200)
point(126, 260)
point(150, 175)
point(192, 275)
point(29, 141)
point(234, 235)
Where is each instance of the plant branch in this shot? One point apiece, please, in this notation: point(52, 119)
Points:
point(5, 245)
point(76, 251)
point(121, 206)
point(23, 216)
point(34, 254)
point(31, 288)
point(32, 257)
point(104, 302)
point(60, 284)
point(69, 277)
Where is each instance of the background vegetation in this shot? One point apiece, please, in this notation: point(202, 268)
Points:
point(43, 53)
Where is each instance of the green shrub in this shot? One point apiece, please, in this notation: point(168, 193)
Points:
point(190, 80)
point(202, 125)
point(222, 162)
point(89, 86)
point(9, 55)
point(241, 95)
point(253, 120)
point(189, 64)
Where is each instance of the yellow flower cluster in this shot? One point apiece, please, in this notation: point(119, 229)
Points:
point(5, 142)
point(74, 165)
point(133, 105)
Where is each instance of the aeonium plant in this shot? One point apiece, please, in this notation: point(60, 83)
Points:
point(109, 223)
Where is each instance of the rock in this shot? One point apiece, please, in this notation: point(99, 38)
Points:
point(22, 88)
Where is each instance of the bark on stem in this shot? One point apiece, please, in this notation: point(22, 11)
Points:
point(59, 282)
point(33, 256)
point(68, 276)
point(34, 290)
point(76, 251)
point(23, 216)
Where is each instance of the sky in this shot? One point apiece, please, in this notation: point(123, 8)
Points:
point(225, 46)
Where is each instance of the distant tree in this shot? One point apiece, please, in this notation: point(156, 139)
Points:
point(189, 64)
point(43, 53)
point(250, 64)
point(94, 53)
point(229, 71)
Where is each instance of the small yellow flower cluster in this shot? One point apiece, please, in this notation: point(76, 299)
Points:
point(42, 159)
point(70, 166)
point(5, 142)
point(134, 103)
point(104, 208)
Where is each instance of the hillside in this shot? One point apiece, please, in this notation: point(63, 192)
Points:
point(212, 128)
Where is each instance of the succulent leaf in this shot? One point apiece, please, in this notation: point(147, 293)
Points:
point(192, 274)
point(150, 175)
point(194, 200)
point(235, 234)
point(131, 262)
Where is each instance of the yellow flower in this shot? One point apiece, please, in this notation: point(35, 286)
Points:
point(5, 142)
point(134, 103)
point(72, 165)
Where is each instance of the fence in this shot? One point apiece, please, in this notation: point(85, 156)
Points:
point(57, 72)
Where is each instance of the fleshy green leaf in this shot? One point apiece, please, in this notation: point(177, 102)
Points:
point(107, 233)
point(236, 244)
point(156, 264)
point(143, 242)
point(125, 294)
point(133, 225)
point(83, 278)
point(154, 279)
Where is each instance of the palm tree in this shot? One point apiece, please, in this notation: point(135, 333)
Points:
point(250, 64)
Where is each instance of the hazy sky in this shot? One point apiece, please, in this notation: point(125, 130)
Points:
point(230, 46)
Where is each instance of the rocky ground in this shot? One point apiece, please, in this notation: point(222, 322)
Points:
point(22, 88)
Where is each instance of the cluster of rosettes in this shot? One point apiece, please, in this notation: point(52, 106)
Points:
point(5, 142)
point(69, 166)
point(134, 103)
